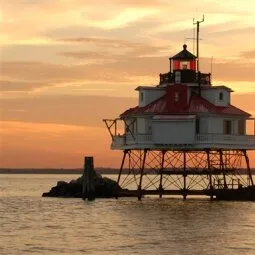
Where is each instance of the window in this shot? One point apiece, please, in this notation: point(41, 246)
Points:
point(141, 96)
point(227, 127)
point(241, 127)
point(130, 127)
point(221, 96)
point(197, 126)
point(149, 126)
point(185, 65)
point(177, 77)
point(176, 97)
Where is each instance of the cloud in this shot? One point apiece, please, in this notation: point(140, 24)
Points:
point(244, 100)
point(17, 127)
point(83, 110)
point(116, 50)
point(100, 41)
point(19, 86)
point(65, 110)
point(88, 55)
point(229, 70)
point(109, 60)
point(226, 30)
point(134, 3)
point(248, 54)
point(40, 145)
point(107, 43)
point(136, 68)
point(53, 73)
point(48, 15)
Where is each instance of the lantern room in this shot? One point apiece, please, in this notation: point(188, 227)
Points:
point(184, 60)
point(184, 69)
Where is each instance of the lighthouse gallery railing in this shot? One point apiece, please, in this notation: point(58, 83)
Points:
point(140, 139)
point(225, 139)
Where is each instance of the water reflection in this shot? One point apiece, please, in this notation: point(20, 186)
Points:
point(31, 224)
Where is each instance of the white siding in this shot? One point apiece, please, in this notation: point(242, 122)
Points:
point(148, 96)
point(215, 125)
point(226, 98)
point(173, 132)
point(148, 126)
point(141, 125)
point(204, 125)
point(131, 125)
point(213, 96)
point(245, 131)
point(235, 127)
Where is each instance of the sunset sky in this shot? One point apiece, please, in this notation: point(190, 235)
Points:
point(68, 64)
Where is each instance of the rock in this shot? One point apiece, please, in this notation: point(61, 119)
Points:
point(104, 188)
point(60, 183)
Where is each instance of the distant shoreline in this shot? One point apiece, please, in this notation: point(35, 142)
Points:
point(77, 171)
point(53, 171)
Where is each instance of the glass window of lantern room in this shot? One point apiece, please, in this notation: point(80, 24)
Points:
point(185, 65)
point(227, 127)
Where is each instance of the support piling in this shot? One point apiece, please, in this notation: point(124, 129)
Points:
point(141, 175)
point(88, 187)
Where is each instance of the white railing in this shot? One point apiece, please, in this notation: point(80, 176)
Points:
point(225, 139)
point(129, 139)
point(209, 139)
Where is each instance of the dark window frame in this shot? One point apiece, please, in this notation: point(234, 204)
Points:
point(176, 97)
point(241, 127)
point(142, 96)
point(197, 126)
point(227, 127)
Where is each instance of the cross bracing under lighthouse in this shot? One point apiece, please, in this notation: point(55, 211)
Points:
point(185, 137)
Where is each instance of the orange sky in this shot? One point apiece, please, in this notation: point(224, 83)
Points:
point(67, 64)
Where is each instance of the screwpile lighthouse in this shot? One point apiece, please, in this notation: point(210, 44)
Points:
point(184, 137)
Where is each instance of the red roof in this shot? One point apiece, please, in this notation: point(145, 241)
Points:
point(196, 105)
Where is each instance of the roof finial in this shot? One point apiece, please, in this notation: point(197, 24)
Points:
point(184, 46)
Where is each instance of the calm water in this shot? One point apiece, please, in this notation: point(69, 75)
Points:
point(31, 224)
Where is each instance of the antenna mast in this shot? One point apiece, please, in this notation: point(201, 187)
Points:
point(198, 23)
point(193, 36)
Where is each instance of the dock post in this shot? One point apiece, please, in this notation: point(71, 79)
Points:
point(88, 187)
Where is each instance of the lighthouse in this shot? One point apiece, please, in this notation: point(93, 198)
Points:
point(184, 137)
